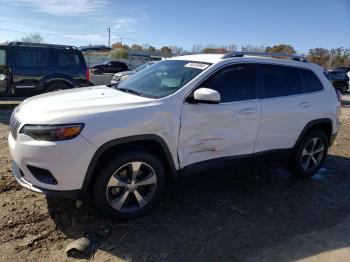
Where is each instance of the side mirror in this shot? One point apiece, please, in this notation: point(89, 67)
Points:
point(206, 96)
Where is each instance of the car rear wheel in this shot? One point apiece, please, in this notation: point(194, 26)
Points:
point(129, 185)
point(309, 155)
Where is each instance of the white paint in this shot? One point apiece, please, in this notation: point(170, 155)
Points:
point(192, 132)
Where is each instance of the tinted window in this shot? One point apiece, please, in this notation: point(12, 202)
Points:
point(234, 83)
point(312, 83)
point(2, 57)
point(67, 59)
point(31, 58)
point(280, 80)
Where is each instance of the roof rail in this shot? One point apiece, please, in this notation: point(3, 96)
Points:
point(41, 45)
point(274, 55)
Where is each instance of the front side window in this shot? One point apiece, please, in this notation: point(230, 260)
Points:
point(234, 83)
point(163, 78)
point(280, 81)
point(311, 82)
point(31, 58)
point(67, 59)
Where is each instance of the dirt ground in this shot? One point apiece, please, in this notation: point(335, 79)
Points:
point(255, 214)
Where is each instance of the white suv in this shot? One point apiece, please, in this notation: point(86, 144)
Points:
point(123, 144)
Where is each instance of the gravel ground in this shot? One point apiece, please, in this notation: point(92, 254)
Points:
point(255, 214)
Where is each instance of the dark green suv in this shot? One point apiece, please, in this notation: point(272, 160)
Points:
point(28, 68)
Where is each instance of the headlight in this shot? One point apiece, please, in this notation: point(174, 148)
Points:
point(124, 77)
point(116, 77)
point(52, 132)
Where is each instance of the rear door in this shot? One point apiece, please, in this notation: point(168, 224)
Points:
point(227, 129)
point(29, 66)
point(284, 109)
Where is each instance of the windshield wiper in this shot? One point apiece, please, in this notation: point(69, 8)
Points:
point(130, 91)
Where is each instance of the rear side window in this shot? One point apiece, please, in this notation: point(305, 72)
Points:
point(234, 83)
point(311, 81)
point(31, 58)
point(280, 81)
point(67, 59)
point(2, 57)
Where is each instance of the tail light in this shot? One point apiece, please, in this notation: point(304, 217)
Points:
point(87, 74)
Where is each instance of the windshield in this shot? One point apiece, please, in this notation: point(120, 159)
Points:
point(141, 67)
point(163, 78)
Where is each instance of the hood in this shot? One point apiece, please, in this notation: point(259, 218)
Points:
point(45, 108)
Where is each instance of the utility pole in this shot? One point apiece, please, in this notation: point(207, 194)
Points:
point(109, 36)
point(121, 41)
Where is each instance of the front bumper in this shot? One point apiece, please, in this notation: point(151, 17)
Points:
point(67, 161)
point(17, 173)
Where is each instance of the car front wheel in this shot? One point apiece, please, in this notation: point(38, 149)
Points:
point(129, 185)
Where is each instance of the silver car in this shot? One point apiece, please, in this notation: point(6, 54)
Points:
point(121, 76)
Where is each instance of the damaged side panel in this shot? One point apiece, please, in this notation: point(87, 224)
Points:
point(212, 131)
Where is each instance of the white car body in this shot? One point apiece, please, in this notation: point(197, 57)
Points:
point(192, 132)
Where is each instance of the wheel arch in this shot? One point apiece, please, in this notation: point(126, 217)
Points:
point(324, 124)
point(150, 143)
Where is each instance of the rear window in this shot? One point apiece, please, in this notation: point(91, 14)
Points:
point(280, 81)
point(67, 59)
point(31, 58)
point(311, 81)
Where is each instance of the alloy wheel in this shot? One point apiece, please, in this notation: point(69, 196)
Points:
point(131, 187)
point(312, 154)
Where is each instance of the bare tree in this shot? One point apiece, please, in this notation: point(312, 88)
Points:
point(33, 38)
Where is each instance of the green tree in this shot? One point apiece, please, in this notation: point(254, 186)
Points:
point(151, 48)
point(136, 47)
point(320, 56)
point(166, 49)
point(339, 57)
point(282, 48)
point(120, 53)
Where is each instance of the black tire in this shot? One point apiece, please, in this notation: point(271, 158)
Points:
point(57, 87)
point(298, 163)
point(103, 193)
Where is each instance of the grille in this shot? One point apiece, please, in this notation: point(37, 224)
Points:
point(14, 125)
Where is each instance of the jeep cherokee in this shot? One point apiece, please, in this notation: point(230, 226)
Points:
point(123, 144)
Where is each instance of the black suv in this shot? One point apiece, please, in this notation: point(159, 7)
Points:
point(110, 67)
point(339, 80)
point(29, 68)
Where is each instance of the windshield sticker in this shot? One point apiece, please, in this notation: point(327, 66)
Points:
point(197, 65)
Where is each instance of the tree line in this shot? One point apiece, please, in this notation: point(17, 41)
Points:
point(327, 58)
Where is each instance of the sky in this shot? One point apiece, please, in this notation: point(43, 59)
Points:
point(304, 24)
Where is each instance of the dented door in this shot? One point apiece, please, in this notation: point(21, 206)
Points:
point(210, 131)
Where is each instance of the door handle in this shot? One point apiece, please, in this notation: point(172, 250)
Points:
point(305, 104)
point(247, 111)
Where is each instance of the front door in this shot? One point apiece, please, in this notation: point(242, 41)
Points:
point(227, 129)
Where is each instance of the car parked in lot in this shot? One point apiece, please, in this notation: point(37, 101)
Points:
point(123, 145)
point(29, 68)
point(109, 67)
point(339, 80)
point(122, 76)
point(345, 69)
